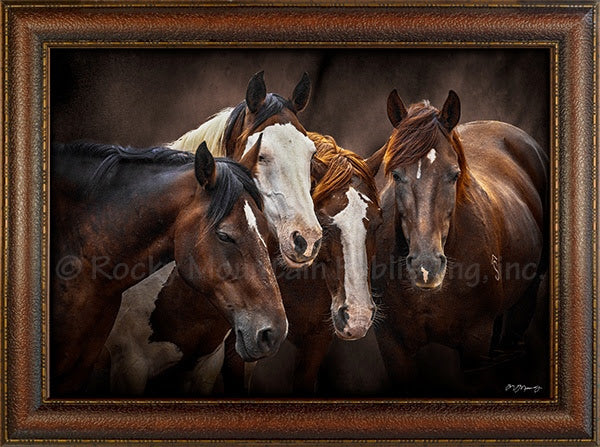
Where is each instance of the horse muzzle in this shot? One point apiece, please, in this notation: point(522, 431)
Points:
point(427, 272)
point(256, 343)
point(352, 324)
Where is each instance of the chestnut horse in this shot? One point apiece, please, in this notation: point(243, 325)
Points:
point(465, 227)
point(338, 284)
point(283, 169)
point(117, 213)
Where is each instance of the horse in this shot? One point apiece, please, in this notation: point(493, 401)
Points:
point(346, 203)
point(118, 213)
point(335, 292)
point(283, 169)
point(464, 234)
point(282, 174)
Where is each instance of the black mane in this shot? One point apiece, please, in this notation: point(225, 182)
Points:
point(272, 105)
point(232, 178)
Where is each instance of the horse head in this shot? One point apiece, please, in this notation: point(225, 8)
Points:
point(426, 162)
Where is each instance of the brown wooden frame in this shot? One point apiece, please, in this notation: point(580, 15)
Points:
point(568, 30)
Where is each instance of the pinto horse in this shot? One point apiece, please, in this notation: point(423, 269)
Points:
point(337, 284)
point(283, 169)
point(465, 220)
point(119, 212)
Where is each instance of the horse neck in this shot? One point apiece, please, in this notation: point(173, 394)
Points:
point(146, 212)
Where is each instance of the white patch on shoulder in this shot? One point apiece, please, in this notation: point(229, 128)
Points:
point(251, 218)
point(419, 170)
point(432, 155)
point(354, 250)
point(425, 274)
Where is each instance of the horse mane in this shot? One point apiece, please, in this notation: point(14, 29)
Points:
point(342, 166)
point(416, 135)
point(272, 105)
point(219, 128)
point(211, 132)
point(232, 178)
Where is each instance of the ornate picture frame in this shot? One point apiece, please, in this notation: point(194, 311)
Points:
point(569, 31)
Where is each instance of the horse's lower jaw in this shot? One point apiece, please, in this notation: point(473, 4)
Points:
point(427, 287)
point(291, 263)
point(240, 348)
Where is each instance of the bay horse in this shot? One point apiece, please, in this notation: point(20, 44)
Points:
point(283, 169)
point(464, 227)
point(337, 284)
point(117, 213)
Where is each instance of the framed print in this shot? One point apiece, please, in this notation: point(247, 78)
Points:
point(459, 141)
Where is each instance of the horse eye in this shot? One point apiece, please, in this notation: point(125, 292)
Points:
point(398, 177)
point(455, 176)
point(262, 158)
point(224, 237)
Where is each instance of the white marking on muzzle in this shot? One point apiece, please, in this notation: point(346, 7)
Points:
point(251, 218)
point(425, 274)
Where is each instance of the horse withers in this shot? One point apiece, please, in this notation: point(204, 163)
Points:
point(464, 232)
point(118, 213)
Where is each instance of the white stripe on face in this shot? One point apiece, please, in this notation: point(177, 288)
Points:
point(251, 218)
point(419, 170)
point(354, 238)
point(432, 155)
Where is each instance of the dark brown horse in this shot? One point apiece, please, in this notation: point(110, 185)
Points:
point(332, 296)
point(283, 170)
point(464, 231)
point(117, 214)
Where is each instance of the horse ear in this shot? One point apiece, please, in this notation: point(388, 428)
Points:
point(250, 158)
point(318, 169)
point(301, 93)
point(204, 167)
point(375, 160)
point(256, 92)
point(395, 108)
point(450, 114)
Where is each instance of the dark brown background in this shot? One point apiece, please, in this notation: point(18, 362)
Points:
point(146, 97)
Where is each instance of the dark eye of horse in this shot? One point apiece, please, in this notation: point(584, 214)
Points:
point(224, 237)
point(261, 158)
point(454, 177)
point(398, 177)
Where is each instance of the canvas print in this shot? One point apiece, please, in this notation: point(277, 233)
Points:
point(300, 222)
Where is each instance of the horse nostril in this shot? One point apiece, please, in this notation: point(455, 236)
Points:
point(343, 315)
point(409, 260)
point(300, 243)
point(442, 260)
point(265, 339)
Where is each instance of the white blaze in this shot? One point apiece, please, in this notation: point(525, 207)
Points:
point(431, 155)
point(419, 170)
point(425, 274)
point(251, 218)
point(285, 181)
point(354, 237)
